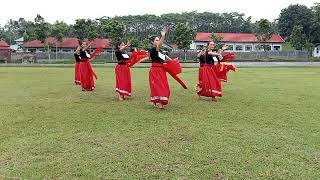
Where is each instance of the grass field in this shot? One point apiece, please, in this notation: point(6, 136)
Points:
point(267, 126)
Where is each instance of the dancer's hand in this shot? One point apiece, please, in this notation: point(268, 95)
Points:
point(225, 47)
point(164, 31)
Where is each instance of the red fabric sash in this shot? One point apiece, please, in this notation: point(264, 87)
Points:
point(136, 57)
point(173, 67)
point(228, 56)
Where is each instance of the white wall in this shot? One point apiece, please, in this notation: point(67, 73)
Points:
point(316, 51)
point(194, 45)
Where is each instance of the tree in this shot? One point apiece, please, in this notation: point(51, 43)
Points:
point(114, 30)
point(183, 36)
point(315, 28)
point(297, 39)
point(85, 29)
point(58, 30)
point(294, 15)
point(41, 29)
point(217, 40)
point(264, 32)
point(4, 35)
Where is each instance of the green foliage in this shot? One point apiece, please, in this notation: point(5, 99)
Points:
point(85, 29)
point(114, 30)
point(217, 40)
point(41, 29)
point(183, 36)
point(264, 32)
point(58, 30)
point(295, 15)
point(297, 38)
point(315, 27)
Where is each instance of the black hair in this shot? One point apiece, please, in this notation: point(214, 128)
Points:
point(152, 38)
point(118, 44)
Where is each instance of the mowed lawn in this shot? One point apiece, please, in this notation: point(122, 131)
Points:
point(267, 125)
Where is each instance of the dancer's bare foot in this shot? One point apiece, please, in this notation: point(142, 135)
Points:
point(214, 99)
point(120, 97)
point(162, 106)
point(154, 104)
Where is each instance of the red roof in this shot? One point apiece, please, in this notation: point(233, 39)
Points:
point(67, 43)
point(236, 37)
point(4, 45)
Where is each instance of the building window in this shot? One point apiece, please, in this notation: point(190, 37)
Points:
point(40, 50)
point(31, 50)
point(199, 47)
point(230, 47)
point(239, 47)
point(248, 47)
point(258, 47)
point(66, 50)
point(276, 48)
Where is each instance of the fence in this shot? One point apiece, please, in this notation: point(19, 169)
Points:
point(190, 56)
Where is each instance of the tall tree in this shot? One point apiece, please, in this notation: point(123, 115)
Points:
point(58, 30)
point(85, 29)
point(217, 40)
point(294, 15)
point(315, 28)
point(41, 32)
point(3, 35)
point(297, 39)
point(264, 32)
point(114, 30)
point(183, 36)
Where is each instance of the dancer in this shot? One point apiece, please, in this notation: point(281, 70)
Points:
point(210, 86)
point(159, 87)
point(123, 74)
point(86, 72)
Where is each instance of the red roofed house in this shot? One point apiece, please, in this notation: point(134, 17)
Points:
point(67, 45)
point(238, 41)
point(5, 51)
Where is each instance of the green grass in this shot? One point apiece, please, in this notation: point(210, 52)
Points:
point(266, 126)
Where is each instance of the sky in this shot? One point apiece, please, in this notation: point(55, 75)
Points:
point(69, 10)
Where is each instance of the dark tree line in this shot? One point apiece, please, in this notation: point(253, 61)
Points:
point(295, 20)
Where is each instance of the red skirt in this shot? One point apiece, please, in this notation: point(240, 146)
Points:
point(221, 74)
point(123, 80)
point(77, 73)
point(211, 84)
point(86, 76)
point(200, 75)
point(159, 87)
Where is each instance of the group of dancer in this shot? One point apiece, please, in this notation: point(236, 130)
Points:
point(211, 71)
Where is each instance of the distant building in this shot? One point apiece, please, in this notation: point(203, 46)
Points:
point(18, 46)
point(241, 42)
point(68, 44)
point(316, 51)
point(5, 52)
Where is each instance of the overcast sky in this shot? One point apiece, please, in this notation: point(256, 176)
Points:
point(69, 10)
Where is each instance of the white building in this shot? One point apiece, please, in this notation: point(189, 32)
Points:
point(316, 51)
point(238, 42)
